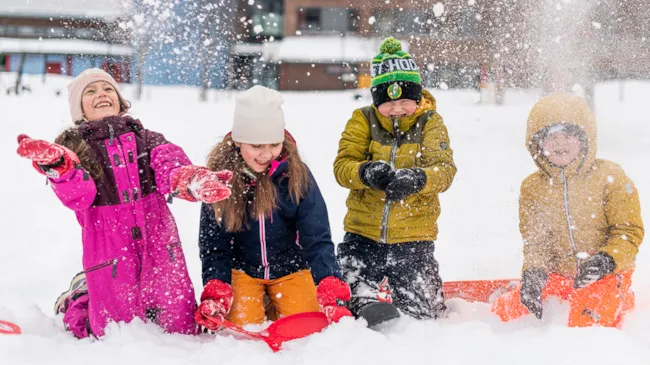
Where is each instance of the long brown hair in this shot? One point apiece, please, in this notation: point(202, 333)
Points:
point(71, 138)
point(231, 212)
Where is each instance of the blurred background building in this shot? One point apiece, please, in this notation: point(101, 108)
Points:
point(42, 36)
point(327, 44)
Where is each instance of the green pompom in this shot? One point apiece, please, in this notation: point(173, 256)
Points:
point(390, 45)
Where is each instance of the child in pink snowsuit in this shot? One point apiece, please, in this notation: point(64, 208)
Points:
point(114, 174)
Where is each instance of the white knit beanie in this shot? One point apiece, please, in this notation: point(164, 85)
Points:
point(77, 86)
point(259, 118)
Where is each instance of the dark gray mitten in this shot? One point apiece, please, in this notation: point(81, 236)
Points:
point(532, 284)
point(405, 183)
point(593, 269)
point(376, 175)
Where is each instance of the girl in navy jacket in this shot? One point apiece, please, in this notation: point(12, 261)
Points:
point(272, 236)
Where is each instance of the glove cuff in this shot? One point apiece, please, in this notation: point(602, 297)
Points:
point(421, 177)
point(605, 261)
point(535, 277)
point(181, 180)
point(362, 173)
point(330, 289)
point(217, 290)
point(67, 162)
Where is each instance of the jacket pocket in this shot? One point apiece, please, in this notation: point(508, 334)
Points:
point(103, 265)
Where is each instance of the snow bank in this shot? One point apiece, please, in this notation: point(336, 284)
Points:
point(479, 236)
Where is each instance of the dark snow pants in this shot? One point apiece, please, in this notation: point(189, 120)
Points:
point(410, 270)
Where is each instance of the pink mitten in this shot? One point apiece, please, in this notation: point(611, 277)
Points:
point(328, 291)
point(194, 183)
point(48, 158)
point(216, 300)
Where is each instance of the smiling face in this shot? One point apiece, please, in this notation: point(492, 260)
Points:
point(258, 157)
point(398, 108)
point(561, 148)
point(100, 100)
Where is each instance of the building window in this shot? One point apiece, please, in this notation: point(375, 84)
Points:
point(57, 32)
point(33, 32)
point(328, 20)
point(354, 17)
point(268, 24)
point(267, 17)
point(406, 21)
point(270, 6)
point(26, 30)
point(309, 19)
point(83, 33)
point(10, 30)
point(334, 19)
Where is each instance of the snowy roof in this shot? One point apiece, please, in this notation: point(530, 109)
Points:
point(247, 48)
point(323, 49)
point(65, 8)
point(62, 46)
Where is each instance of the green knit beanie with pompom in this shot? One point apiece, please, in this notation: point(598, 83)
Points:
point(395, 74)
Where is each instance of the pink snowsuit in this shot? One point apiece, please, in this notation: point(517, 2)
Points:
point(132, 254)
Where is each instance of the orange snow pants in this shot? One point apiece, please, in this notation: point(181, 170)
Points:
point(290, 294)
point(602, 303)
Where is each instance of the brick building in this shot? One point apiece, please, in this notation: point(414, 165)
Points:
point(326, 44)
point(40, 37)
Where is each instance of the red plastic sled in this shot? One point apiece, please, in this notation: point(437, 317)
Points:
point(478, 290)
point(284, 329)
point(9, 328)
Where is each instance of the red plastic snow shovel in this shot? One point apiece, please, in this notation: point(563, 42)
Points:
point(478, 290)
point(9, 328)
point(284, 329)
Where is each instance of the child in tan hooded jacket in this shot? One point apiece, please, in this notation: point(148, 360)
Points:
point(580, 221)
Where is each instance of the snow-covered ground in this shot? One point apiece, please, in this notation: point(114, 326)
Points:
point(479, 237)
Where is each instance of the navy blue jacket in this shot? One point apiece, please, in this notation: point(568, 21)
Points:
point(270, 249)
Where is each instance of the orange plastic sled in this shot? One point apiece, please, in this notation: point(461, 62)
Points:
point(478, 290)
point(284, 329)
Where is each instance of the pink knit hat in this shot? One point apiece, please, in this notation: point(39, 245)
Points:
point(79, 84)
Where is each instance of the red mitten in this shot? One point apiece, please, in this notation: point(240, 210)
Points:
point(194, 183)
point(328, 291)
point(216, 300)
point(48, 158)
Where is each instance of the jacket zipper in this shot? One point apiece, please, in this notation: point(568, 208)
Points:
point(170, 249)
point(103, 265)
point(393, 154)
point(265, 260)
point(569, 220)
